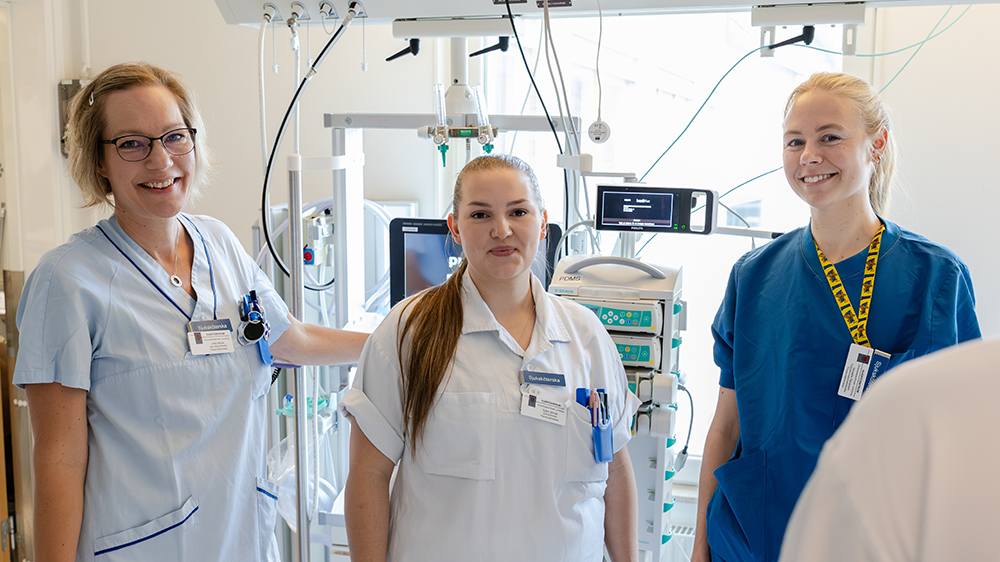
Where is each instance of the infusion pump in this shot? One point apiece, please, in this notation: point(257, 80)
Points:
point(641, 307)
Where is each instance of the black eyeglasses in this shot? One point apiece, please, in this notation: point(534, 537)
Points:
point(135, 148)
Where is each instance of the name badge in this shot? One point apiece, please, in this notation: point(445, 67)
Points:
point(211, 337)
point(860, 361)
point(534, 406)
point(538, 377)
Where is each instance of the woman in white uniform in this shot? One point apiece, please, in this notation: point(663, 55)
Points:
point(471, 388)
point(146, 391)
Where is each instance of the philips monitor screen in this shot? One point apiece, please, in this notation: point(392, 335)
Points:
point(422, 254)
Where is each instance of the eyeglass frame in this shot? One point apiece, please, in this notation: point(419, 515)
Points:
point(114, 142)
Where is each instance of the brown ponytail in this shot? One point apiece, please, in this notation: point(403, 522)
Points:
point(435, 321)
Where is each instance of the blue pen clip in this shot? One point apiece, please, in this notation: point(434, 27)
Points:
point(601, 420)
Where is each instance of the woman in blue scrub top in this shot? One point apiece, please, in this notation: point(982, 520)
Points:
point(146, 395)
point(812, 318)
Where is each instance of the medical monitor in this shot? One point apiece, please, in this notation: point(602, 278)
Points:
point(640, 208)
point(422, 253)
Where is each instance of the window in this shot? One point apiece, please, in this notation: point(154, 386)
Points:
point(655, 71)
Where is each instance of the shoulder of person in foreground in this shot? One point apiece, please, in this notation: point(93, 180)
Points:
point(902, 478)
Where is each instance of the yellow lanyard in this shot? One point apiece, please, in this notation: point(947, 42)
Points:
point(856, 323)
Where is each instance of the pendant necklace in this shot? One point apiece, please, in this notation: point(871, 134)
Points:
point(174, 279)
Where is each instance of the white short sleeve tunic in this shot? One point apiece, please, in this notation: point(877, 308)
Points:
point(489, 483)
point(176, 467)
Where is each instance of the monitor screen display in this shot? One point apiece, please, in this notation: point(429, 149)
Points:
point(422, 253)
point(626, 209)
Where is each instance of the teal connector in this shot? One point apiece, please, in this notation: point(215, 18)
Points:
point(672, 407)
point(288, 409)
point(668, 474)
point(675, 342)
point(671, 441)
point(666, 538)
point(678, 308)
point(487, 148)
point(668, 506)
point(443, 148)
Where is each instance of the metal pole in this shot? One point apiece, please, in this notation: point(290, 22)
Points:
point(297, 270)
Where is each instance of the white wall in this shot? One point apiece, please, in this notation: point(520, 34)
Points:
point(944, 110)
point(219, 63)
point(945, 113)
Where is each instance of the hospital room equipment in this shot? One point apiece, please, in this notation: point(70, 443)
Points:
point(642, 308)
point(423, 253)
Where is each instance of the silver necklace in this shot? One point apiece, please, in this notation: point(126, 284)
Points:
point(526, 324)
point(174, 279)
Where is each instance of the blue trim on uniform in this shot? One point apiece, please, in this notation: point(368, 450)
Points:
point(211, 271)
point(266, 493)
point(143, 539)
point(151, 282)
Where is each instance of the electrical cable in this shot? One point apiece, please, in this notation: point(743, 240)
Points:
point(681, 457)
point(513, 28)
point(264, 210)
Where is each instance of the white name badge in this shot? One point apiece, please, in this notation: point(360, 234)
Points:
point(211, 337)
point(861, 360)
point(534, 406)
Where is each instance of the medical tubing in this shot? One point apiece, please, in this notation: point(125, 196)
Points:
point(260, 87)
point(555, 86)
point(510, 16)
point(264, 209)
point(917, 45)
point(897, 51)
point(696, 113)
point(905, 64)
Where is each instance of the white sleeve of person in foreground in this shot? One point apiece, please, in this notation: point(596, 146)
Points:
point(908, 476)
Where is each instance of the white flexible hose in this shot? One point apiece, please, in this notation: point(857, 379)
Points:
point(260, 88)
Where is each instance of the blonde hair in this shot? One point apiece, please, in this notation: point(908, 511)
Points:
point(435, 321)
point(88, 119)
point(874, 118)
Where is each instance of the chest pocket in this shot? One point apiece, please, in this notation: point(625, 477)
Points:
point(460, 436)
point(580, 463)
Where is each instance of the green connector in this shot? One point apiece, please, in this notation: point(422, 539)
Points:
point(665, 538)
point(488, 148)
point(443, 148)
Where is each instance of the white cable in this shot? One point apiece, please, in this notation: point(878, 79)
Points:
point(571, 130)
point(597, 63)
point(527, 94)
point(590, 228)
point(260, 89)
point(555, 86)
point(297, 52)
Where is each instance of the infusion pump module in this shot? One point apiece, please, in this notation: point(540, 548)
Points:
point(640, 306)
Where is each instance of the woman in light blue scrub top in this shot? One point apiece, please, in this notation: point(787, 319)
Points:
point(812, 318)
point(146, 391)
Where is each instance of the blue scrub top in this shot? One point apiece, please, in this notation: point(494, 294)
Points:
point(781, 343)
point(177, 442)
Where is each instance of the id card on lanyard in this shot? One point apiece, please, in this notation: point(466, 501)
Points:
point(862, 358)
